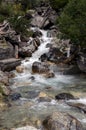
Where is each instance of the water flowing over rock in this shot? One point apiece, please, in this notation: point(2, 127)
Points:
point(61, 121)
point(53, 55)
point(80, 106)
point(49, 75)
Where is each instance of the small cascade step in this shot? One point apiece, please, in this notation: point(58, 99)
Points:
point(9, 64)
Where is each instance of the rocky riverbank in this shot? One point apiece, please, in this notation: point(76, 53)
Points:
point(36, 83)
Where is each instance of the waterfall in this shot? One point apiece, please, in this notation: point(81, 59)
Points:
point(68, 52)
point(41, 49)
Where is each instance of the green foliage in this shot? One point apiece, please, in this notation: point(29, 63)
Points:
point(29, 4)
point(15, 15)
point(5, 11)
point(20, 24)
point(58, 4)
point(72, 22)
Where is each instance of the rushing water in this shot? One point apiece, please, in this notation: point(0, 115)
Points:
point(28, 109)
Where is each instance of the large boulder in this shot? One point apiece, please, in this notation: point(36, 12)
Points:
point(64, 96)
point(9, 64)
point(39, 67)
point(6, 50)
point(61, 121)
point(27, 48)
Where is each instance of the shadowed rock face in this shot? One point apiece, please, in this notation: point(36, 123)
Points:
point(64, 96)
point(39, 67)
point(9, 64)
point(6, 50)
point(61, 121)
point(82, 62)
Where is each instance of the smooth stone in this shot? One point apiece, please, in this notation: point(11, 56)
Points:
point(64, 96)
point(20, 69)
point(42, 94)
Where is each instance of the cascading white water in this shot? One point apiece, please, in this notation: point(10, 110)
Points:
point(68, 52)
point(44, 40)
point(41, 50)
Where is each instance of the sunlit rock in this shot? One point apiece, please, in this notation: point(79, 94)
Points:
point(61, 121)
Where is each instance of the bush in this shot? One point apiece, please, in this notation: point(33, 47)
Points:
point(58, 4)
point(15, 15)
point(20, 24)
point(72, 22)
point(5, 11)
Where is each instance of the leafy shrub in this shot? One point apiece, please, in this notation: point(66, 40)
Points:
point(20, 24)
point(72, 22)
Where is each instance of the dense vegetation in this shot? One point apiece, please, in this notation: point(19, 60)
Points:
point(58, 4)
point(15, 14)
point(72, 21)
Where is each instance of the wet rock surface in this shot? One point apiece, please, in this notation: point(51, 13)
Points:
point(39, 67)
point(78, 105)
point(64, 96)
point(61, 121)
